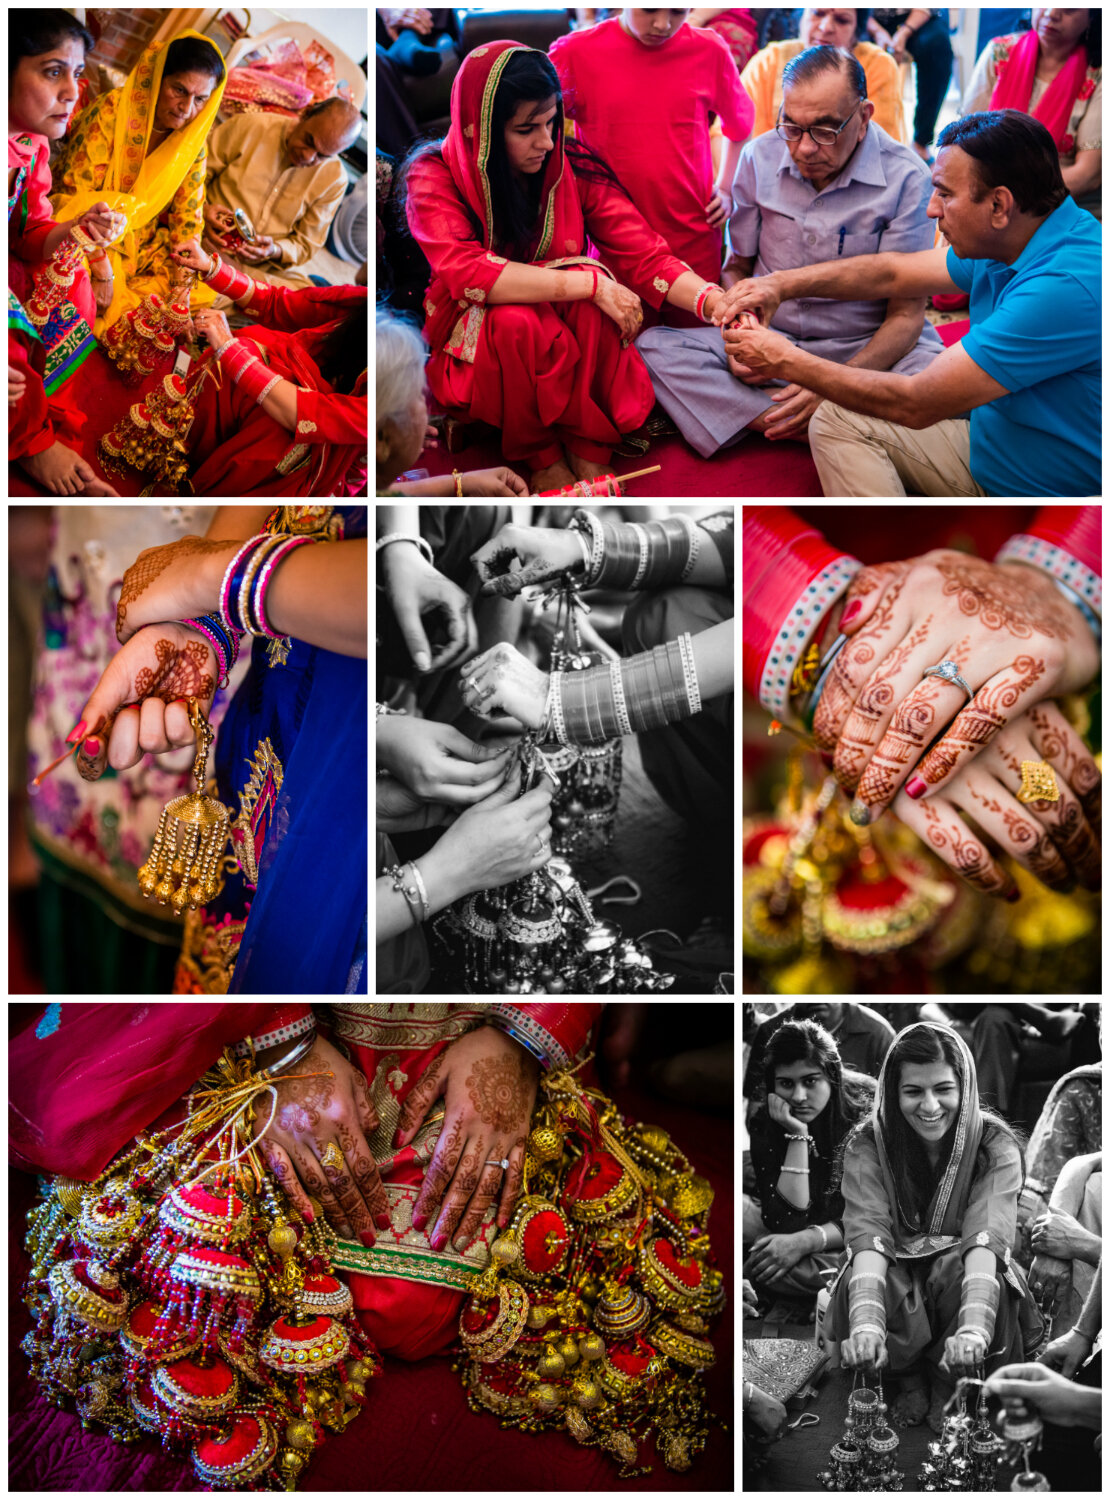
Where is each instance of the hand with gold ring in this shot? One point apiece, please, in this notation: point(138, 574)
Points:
point(1057, 840)
point(317, 1143)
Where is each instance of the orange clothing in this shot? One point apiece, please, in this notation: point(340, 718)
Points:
point(763, 80)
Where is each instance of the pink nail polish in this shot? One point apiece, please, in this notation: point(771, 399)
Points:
point(419, 1221)
point(91, 748)
point(308, 1216)
point(915, 787)
point(382, 1220)
point(851, 612)
point(439, 1241)
point(76, 732)
point(367, 1238)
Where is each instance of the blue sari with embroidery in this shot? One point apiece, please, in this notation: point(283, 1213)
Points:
point(290, 765)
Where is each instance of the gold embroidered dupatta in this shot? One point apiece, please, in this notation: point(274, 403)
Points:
point(137, 182)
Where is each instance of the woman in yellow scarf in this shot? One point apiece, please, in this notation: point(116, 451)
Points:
point(141, 148)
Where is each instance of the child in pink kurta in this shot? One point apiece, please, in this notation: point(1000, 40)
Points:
point(645, 109)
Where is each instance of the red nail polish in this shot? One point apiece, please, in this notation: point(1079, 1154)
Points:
point(851, 612)
point(382, 1220)
point(76, 732)
point(439, 1241)
point(367, 1238)
point(419, 1221)
point(915, 787)
point(308, 1216)
point(91, 748)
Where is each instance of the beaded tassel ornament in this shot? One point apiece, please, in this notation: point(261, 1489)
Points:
point(594, 1313)
point(179, 1294)
point(185, 867)
point(584, 808)
point(539, 935)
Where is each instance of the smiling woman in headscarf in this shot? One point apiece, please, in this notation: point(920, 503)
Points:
point(930, 1186)
point(141, 148)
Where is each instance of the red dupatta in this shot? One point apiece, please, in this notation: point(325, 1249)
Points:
point(1014, 86)
point(466, 153)
point(84, 1079)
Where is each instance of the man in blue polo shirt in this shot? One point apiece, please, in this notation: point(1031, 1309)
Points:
point(1030, 369)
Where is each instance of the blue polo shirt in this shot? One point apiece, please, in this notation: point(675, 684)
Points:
point(1036, 328)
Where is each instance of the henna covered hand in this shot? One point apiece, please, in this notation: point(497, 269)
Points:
point(1058, 842)
point(1014, 638)
point(176, 582)
point(539, 552)
point(488, 1083)
point(326, 1101)
point(137, 706)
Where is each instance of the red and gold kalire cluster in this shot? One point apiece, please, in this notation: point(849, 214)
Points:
point(179, 1295)
point(594, 1313)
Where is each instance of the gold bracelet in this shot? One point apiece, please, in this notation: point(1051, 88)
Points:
point(458, 483)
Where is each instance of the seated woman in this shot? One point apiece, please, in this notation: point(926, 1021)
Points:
point(930, 1185)
point(1069, 1125)
point(527, 332)
point(827, 26)
point(288, 416)
point(1054, 73)
point(792, 1234)
point(50, 300)
point(402, 419)
point(150, 167)
point(1067, 1241)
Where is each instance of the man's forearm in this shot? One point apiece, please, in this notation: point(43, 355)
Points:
point(860, 276)
point(877, 393)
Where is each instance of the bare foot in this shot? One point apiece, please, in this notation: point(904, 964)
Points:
point(585, 468)
point(554, 477)
point(99, 487)
point(62, 472)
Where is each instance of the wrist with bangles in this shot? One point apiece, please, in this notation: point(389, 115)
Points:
point(247, 580)
point(413, 890)
point(630, 555)
point(635, 693)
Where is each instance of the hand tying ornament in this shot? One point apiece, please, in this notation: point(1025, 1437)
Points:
point(488, 1083)
point(503, 682)
point(437, 763)
point(418, 593)
point(1024, 1388)
point(864, 1351)
point(540, 552)
point(138, 706)
point(963, 1354)
point(212, 326)
point(324, 1106)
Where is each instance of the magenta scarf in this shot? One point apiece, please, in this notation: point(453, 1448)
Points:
point(1014, 86)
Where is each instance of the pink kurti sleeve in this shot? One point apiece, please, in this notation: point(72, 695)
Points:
point(636, 255)
point(27, 242)
point(447, 235)
point(729, 99)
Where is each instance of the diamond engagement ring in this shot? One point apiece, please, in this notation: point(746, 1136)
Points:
point(950, 672)
point(503, 1163)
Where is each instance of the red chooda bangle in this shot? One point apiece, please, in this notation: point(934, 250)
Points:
point(228, 281)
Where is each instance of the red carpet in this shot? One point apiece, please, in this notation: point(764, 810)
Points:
point(756, 468)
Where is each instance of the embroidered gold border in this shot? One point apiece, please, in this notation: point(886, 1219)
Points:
point(409, 1257)
point(365, 1024)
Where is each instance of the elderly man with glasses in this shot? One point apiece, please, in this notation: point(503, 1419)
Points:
point(827, 181)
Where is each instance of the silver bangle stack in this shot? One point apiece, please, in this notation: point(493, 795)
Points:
point(414, 892)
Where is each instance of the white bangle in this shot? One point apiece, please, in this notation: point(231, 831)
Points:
point(820, 1228)
point(421, 887)
point(398, 536)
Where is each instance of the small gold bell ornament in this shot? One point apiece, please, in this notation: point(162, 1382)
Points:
point(593, 1312)
point(185, 867)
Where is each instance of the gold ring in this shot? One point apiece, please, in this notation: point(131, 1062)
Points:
point(333, 1158)
point(1038, 782)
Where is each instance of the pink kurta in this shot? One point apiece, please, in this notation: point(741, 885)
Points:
point(646, 111)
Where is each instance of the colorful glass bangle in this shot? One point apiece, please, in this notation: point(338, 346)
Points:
point(233, 577)
point(258, 608)
point(225, 642)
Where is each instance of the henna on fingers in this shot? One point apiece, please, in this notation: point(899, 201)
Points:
point(977, 724)
point(1061, 745)
point(1019, 603)
point(461, 1191)
point(420, 1098)
point(943, 829)
point(514, 1181)
point(182, 672)
point(1005, 820)
point(1072, 835)
point(484, 1197)
point(441, 1169)
point(911, 729)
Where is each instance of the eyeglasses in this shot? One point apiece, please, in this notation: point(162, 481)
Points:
point(821, 135)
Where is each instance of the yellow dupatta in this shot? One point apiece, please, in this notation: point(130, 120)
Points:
point(138, 184)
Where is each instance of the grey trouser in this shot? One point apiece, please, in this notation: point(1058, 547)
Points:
point(709, 405)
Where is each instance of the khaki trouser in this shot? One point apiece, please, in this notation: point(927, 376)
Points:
point(858, 455)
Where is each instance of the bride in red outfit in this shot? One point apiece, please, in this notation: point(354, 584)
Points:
point(527, 331)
